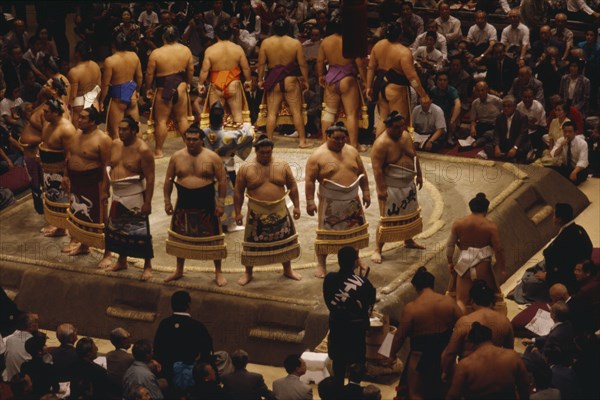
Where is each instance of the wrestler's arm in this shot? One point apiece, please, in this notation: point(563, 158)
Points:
point(377, 160)
point(189, 69)
point(371, 71)
point(220, 175)
point(498, 250)
point(66, 139)
point(106, 77)
point(458, 384)
point(150, 70)
point(419, 172)
point(450, 244)
point(238, 193)
point(407, 64)
point(72, 77)
point(168, 186)
point(148, 169)
point(99, 81)
point(321, 66)
point(204, 70)
point(105, 147)
point(455, 113)
point(452, 350)
point(262, 61)
point(404, 328)
point(292, 186)
point(138, 77)
point(302, 63)
point(362, 70)
point(312, 171)
point(245, 66)
point(364, 181)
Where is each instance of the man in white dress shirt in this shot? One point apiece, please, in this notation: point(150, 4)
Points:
point(572, 149)
point(534, 110)
point(579, 10)
point(481, 36)
point(516, 36)
point(440, 42)
point(15, 353)
point(448, 25)
point(290, 387)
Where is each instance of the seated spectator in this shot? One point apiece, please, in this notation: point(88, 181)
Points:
point(572, 151)
point(563, 375)
point(536, 119)
point(195, 32)
point(428, 120)
point(215, 16)
point(548, 72)
point(148, 18)
point(410, 23)
point(594, 151)
point(206, 386)
point(21, 387)
point(557, 292)
point(311, 49)
point(546, 40)
point(243, 384)
point(242, 38)
point(561, 334)
point(571, 112)
point(463, 53)
point(511, 141)
point(8, 107)
point(523, 80)
point(281, 12)
point(15, 354)
point(138, 392)
point(131, 30)
point(575, 88)
point(65, 356)
point(484, 110)
point(481, 36)
point(578, 10)
point(428, 59)
point(248, 19)
point(34, 55)
point(264, 9)
point(139, 373)
point(515, 37)
point(447, 98)
point(462, 81)
point(16, 36)
point(501, 71)
point(563, 34)
point(118, 360)
point(585, 307)
point(439, 41)
point(30, 88)
point(542, 379)
point(86, 373)
point(327, 389)
point(591, 50)
point(290, 387)
point(448, 25)
point(353, 390)
point(43, 374)
point(48, 44)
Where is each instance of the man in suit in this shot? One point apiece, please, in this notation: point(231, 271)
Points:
point(180, 337)
point(65, 356)
point(118, 360)
point(254, 97)
point(241, 384)
point(86, 373)
point(511, 141)
point(571, 246)
point(501, 71)
point(561, 334)
point(290, 387)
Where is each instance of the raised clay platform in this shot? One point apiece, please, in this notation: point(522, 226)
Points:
point(272, 316)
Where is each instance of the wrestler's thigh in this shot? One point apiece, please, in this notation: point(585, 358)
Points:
point(350, 94)
point(415, 379)
point(180, 109)
point(274, 98)
point(115, 114)
point(463, 286)
point(484, 272)
point(293, 94)
point(162, 109)
point(235, 100)
point(215, 95)
point(398, 98)
point(331, 98)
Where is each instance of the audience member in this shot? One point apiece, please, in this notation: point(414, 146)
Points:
point(439, 40)
point(484, 110)
point(524, 80)
point(572, 152)
point(511, 140)
point(216, 16)
point(585, 305)
point(481, 36)
point(546, 40)
point(140, 372)
point(118, 360)
point(591, 50)
point(86, 374)
point(448, 25)
point(206, 385)
point(42, 373)
point(516, 37)
point(353, 390)
point(428, 120)
point(561, 334)
point(447, 98)
point(242, 384)
point(462, 81)
point(290, 387)
point(501, 71)
point(563, 375)
point(548, 72)
point(557, 292)
point(536, 119)
point(410, 23)
point(16, 354)
point(571, 112)
point(575, 88)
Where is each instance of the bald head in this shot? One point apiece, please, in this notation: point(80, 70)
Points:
point(558, 292)
point(66, 334)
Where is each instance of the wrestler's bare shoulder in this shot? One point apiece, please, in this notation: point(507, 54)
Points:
point(380, 47)
point(350, 152)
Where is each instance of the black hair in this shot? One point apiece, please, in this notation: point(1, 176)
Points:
point(170, 34)
point(121, 42)
point(327, 389)
point(432, 35)
point(50, 63)
point(481, 293)
point(564, 211)
point(567, 124)
point(132, 123)
point(224, 31)
point(84, 50)
point(335, 25)
point(393, 117)
point(479, 203)
point(194, 129)
point(422, 279)
point(180, 300)
point(338, 126)
point(589, 268)
point(216, 114)
point(281, 27)
point(94, 114)
point(200, 371)
point(59, 86)
point(263, 141)
point(393, 32)
point(141, 350)
point(440, 73)
point(347, 257)
point(292, 362)
point(239, 359)
point(35, 345)
point(84, 346)
point(479, 333)
point(55, 105)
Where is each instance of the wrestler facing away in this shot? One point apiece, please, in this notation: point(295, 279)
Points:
point(335, 161)
point(266, 179)
point(90, 149)
point(490, 372)
point(283, 56)
point(57, 134)
point(224, 60)
point(340, 82)
point(121, 80)
point(428, 321)
point(131, 156)
point(85, 79)
point(394, 146)
point(195, 167)
point(476, 237)
point(173, 67)
point(482, 300)
point(393, 62)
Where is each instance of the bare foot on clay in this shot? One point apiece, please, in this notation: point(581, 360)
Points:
point(54, 231)
point(220, 279)
point(106, 262)
point(320, 272)
point(146, 275)
point(67, 248)
point(376, 257)
point(292, 275)
point(173, 277)
point(411, 244)
point(305, 145)
point(158, 155)
point(79, 249)
point(118, 266)
point(244, 279)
